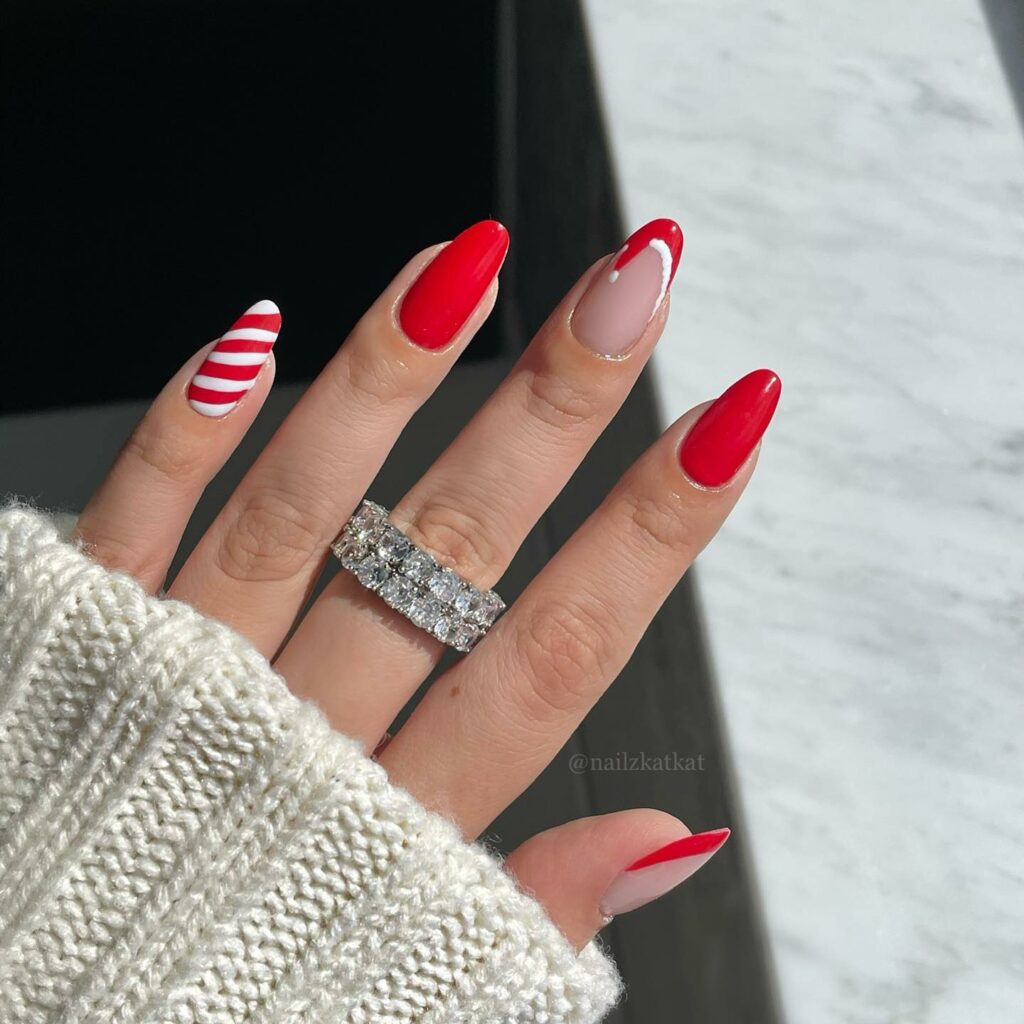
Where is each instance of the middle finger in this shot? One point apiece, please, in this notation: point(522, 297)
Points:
point(483, 495)
point(255, 565)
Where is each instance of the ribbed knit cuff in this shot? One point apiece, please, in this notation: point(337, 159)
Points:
point(183, 840)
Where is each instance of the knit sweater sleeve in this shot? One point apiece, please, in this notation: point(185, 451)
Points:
point(182, 840)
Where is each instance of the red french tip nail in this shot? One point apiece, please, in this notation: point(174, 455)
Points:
point(689, 846)
point(661, 232)
point(728, 431)
point(447, 291)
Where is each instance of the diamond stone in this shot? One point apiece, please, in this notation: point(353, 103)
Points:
point(371, 572)
point(464, 637)
point(424, 612)
point(444, 627)
point(445, 585)
point(489, 608)
point(348, 551)
point(398, 593)
point(418, 566)
point(367, 522)
point(467, 600)
point(343, 544)
point(353, 559)
point(393, 545)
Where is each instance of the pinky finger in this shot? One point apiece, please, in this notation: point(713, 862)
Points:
point(590, 870)
point(134, 521)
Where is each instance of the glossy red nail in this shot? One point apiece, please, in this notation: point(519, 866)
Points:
point(442, 298)
point(723, 438)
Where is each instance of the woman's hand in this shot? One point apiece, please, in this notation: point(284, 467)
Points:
point(490, 724)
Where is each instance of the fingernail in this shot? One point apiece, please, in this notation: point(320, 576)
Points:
point(728, 431)
point(627, 291)
point(233, 365)
point(447, 291)
point(661, 870)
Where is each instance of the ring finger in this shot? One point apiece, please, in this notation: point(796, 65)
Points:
point(480, 499)
point(543, 666)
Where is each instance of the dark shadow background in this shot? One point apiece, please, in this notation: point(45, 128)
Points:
point(166, 165)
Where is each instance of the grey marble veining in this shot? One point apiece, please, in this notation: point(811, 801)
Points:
point(850, 178)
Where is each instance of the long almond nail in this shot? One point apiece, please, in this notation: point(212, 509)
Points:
point(231, 369)
point(728, 431)
point(627, 291)
point(449, 288)
point(661, 870)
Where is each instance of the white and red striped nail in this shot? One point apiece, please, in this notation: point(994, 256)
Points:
point(233, 365)
point(661, 870)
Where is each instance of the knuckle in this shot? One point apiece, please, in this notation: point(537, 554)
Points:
point(459, 537)
point(560, 401)
point(272, 538)
point(171, 459)
point(564, 651)
point(114, 552)
point(657, 523)
point(372, 380)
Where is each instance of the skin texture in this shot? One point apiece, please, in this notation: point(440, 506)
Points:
point(492, 722)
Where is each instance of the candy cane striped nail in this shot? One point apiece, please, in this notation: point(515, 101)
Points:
point(231, 369)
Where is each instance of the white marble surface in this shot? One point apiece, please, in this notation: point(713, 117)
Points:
point(850, 178)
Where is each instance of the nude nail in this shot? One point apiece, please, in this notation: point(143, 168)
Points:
point(661, 870)
point(627, 291)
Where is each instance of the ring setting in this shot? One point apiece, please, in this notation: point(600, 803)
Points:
point(412, 582)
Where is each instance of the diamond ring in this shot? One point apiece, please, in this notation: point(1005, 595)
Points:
point(410, 580)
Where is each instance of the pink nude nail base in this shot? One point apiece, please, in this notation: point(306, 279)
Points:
point(660, 871)
point(626, 292)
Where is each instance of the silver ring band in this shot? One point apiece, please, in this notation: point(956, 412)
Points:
point(410, 580)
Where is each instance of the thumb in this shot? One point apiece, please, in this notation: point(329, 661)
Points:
point(589, 870)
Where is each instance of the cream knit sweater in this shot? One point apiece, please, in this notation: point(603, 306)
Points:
point(182, 840)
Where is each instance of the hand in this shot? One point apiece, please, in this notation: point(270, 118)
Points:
point(489, 725)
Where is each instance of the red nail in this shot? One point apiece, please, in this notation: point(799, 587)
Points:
point(723, 438)
point(442, 298)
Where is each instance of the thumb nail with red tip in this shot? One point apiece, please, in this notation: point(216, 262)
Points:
point(661, 870)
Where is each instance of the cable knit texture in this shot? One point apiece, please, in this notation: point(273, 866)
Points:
point(182, 840)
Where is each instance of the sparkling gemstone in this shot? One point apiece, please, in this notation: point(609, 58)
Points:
point(367, 523)
point(464, 636)
point(348, 550)
point(372, 572)
point(398, 592)
point(445, 585)
point(393, 545)
point(489, 608)
point(467, 600)
point(444, 627)
point(353, 559)
point(424, 612)
point(418, 566)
